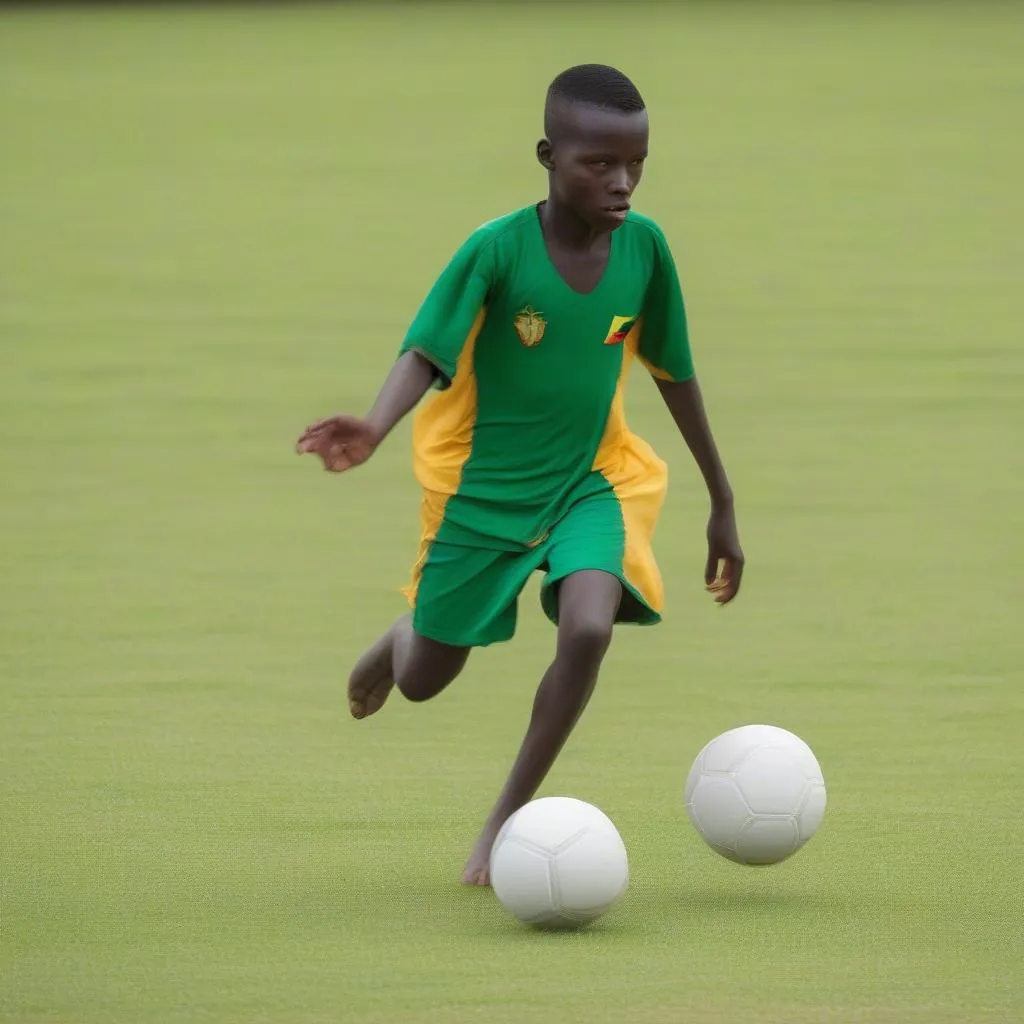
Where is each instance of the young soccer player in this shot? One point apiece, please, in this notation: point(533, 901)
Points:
point(524, 456)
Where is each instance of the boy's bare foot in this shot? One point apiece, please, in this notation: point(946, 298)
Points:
point(371, 681)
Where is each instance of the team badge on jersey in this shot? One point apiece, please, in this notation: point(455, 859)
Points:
point(530, 326)
point(620, 328)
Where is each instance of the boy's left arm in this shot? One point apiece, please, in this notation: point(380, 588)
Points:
point(686, 405)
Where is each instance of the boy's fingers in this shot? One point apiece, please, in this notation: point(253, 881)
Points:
point(317, 428)
point(717, 573)
point(711, 569)
point(312, 435)
point(736, 574)
point(727, 586)
point(310, 444)
point(337, 460)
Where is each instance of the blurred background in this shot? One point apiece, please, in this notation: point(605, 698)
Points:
point(215, 224)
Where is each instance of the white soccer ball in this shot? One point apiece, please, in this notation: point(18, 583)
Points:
point(756, 794)
point(558, 862)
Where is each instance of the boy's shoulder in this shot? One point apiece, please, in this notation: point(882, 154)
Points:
point(490, 240)
point(503, 226)
point(643, 224)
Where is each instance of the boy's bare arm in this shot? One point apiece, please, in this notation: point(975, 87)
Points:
point(686, 405)
point(343, 441)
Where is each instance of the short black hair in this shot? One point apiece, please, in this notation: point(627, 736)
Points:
point(596, 84)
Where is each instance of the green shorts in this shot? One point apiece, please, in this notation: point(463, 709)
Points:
point(468, 596)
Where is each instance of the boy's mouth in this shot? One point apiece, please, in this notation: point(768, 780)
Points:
point(619, 212)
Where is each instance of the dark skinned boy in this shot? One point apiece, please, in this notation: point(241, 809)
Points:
point(524, 455)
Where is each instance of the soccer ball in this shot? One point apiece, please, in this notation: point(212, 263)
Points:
point(756, 794)
point(558, 863)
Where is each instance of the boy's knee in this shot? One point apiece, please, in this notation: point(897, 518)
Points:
point(586, 636)
point(588, 604)
point(427, 669)
point(422, 682)
point(417, 689)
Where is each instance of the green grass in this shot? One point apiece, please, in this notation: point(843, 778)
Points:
point(214, 226)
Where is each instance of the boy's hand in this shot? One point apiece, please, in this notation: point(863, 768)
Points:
point(342, 442)
point(724, 569)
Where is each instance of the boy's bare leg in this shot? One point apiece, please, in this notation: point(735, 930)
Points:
point(588, 602)
point(422, 668)
point(373, 677)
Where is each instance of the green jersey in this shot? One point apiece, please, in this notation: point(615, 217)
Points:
point(528, 416)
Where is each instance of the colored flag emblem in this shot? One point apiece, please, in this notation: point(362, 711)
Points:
point(621, 326)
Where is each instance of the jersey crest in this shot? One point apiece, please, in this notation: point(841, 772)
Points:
point(530, 326)
point(620, 328)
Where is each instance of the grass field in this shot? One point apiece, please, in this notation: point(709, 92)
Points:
point(214, 227)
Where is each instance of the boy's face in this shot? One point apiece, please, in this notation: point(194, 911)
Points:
point(595, 159)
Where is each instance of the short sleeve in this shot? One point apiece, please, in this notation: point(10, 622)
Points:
point(664, 340)
point(447, 317)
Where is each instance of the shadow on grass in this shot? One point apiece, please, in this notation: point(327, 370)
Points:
point(647, 909)
point(721, 900)
point(393, 897)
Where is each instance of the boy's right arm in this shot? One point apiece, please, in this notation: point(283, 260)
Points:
point(343, 442)
point(409, 380)
point(429, 354)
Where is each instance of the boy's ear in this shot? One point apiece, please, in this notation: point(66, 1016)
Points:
point(545, 155)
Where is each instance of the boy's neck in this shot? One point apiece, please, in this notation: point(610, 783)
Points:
point(566, 228)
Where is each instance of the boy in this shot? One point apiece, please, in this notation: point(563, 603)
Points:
point(524, 455)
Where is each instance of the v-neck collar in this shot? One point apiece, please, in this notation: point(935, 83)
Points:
point(612, 247)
